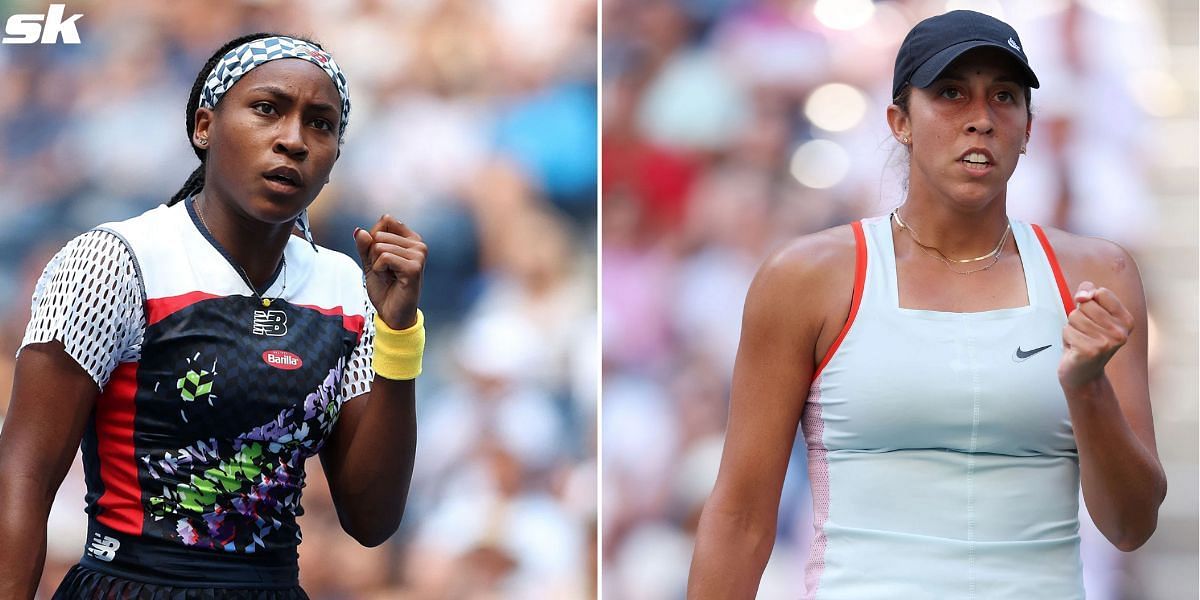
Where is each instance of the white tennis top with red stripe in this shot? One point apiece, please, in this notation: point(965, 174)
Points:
point(941, 454)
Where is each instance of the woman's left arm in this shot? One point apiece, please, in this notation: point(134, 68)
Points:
point(368, 459)
point(1103, 373)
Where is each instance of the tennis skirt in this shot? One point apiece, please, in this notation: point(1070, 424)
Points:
point(82, 583)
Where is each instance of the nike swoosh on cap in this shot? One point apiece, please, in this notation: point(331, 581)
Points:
point(1021, 355)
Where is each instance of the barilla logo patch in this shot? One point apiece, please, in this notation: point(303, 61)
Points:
point(45, 29)
point(281, 359)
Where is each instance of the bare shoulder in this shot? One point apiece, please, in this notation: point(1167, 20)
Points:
point(805, 286)
point(1098, 260)
point(809, 261)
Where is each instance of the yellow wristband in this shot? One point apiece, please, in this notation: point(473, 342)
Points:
point(397, 353)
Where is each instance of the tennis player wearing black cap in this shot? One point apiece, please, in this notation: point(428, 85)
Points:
point(954, 391)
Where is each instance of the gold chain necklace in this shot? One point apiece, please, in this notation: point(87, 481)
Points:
point(245, 277)
point(994, 255)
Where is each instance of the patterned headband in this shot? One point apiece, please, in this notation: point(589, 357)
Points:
point(241, 60)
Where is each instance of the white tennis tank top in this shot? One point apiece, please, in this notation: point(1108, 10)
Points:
point(941, 454)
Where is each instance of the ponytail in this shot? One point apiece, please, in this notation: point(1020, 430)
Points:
point(194, 183)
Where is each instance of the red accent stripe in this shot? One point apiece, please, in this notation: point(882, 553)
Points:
point(860, 280)
point(352, 323)
point(121, 503)
point(1068, 299)
point(158, 309)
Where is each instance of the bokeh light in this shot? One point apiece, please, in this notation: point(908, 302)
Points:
point(820, 164)
point(987, 7)
point(836, 107)
point(1157, 92)
point(843, 14)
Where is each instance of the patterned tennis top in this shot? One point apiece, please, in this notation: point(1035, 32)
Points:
point(210, 402)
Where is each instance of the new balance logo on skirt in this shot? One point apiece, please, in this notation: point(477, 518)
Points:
point(103, 547)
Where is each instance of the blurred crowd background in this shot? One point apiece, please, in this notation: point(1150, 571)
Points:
point(475, 122)
point(730, 126)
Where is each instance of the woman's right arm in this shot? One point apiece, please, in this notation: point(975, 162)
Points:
point(52, 398)
point(87, 317)
point(787, 309)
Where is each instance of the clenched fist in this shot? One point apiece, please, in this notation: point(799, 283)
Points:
point(393, 259)
point(1095, 330)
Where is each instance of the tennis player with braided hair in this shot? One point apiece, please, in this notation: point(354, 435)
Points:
point(958, 374)
point(202, 353)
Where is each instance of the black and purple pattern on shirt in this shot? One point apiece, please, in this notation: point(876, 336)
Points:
point(229, 496)
point(243, 426)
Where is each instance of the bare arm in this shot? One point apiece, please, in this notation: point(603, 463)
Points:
point(369, 458)
point(782, 335)
point(52, 398)
point(1104, 376)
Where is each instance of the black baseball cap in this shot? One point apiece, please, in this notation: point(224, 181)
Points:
point(935, 42)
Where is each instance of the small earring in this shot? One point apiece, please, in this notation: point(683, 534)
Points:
point(904, 140)
point(1022, 149)
point(202, 141)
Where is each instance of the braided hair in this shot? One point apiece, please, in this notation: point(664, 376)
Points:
point(195, 181)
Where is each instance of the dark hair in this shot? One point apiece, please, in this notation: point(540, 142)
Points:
point(195, 181)
point(902, 98)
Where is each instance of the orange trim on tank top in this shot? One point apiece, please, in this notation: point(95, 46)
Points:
point(860, 280)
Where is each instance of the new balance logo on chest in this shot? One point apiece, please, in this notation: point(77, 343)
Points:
point(269, 322)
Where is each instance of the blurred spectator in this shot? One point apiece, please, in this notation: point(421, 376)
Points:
point(730, 126)
point(447, 94)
